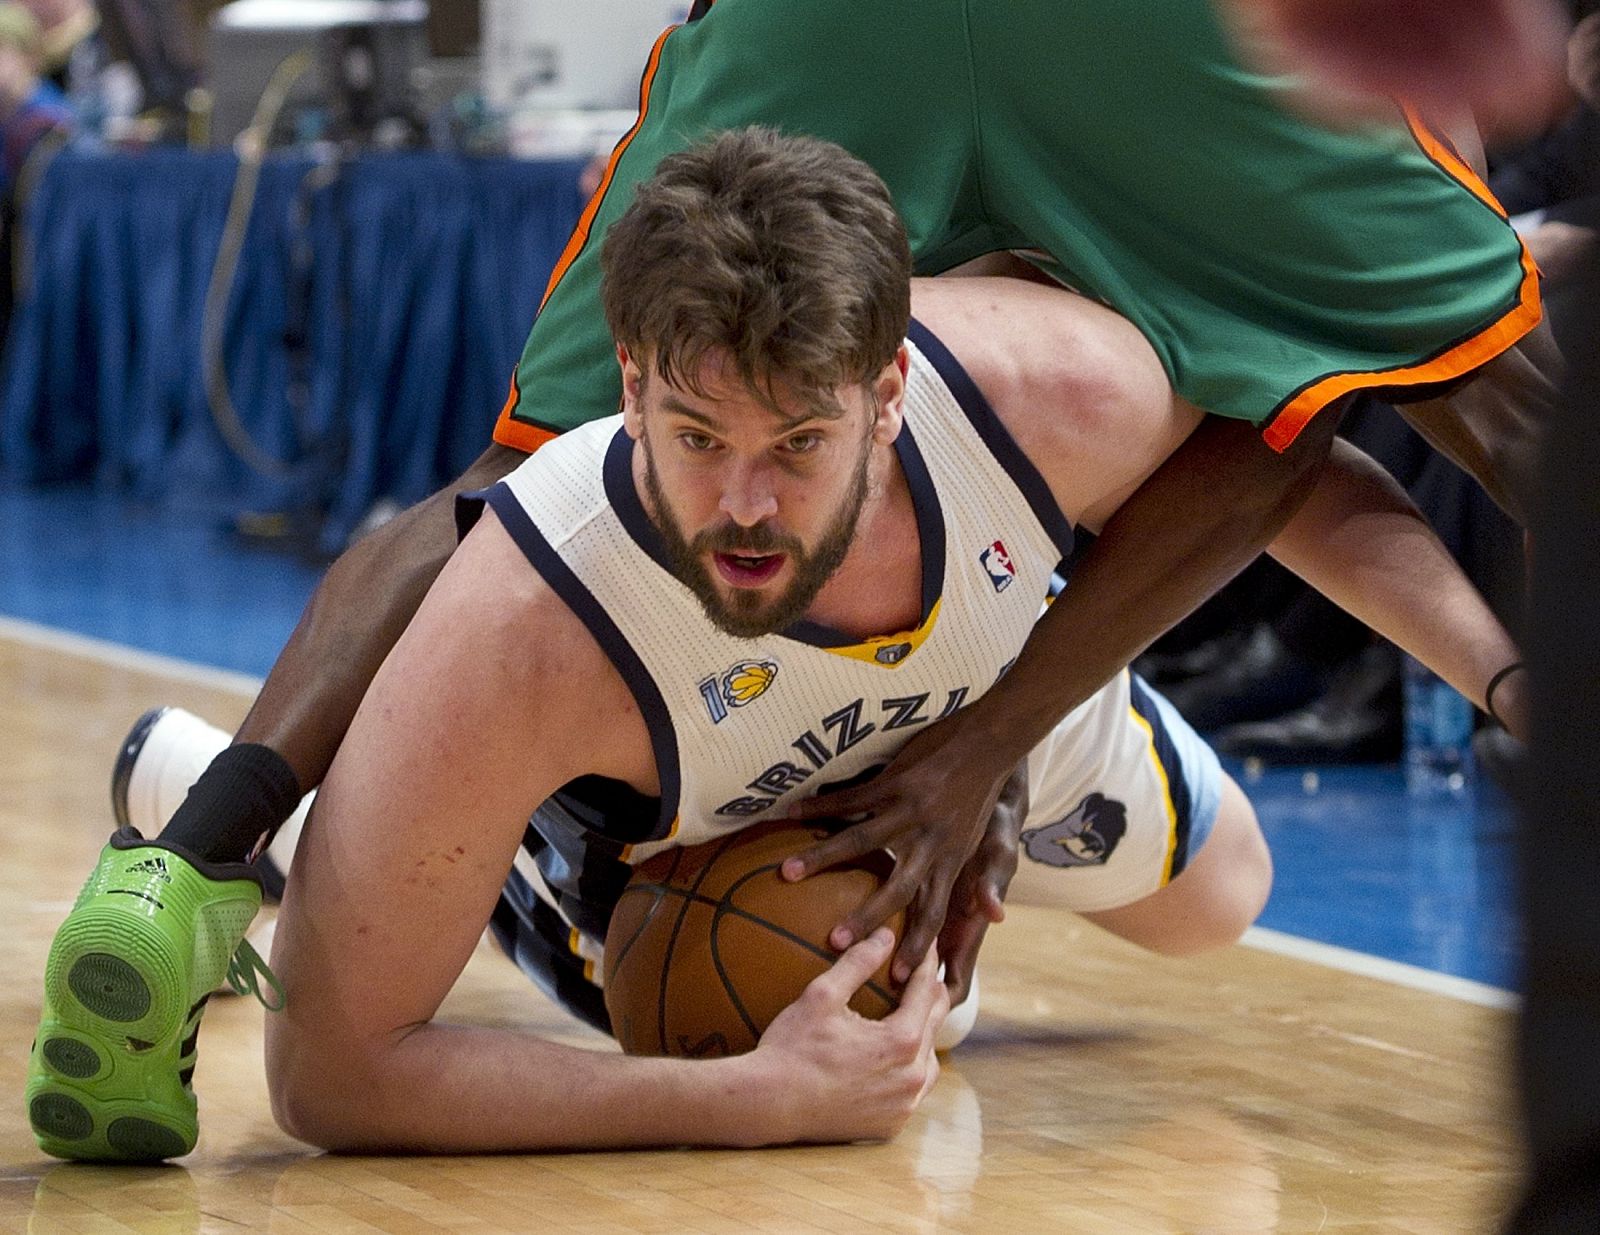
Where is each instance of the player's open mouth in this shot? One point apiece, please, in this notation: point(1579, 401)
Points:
point(748, 569)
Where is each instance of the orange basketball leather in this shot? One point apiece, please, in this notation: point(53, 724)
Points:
point(709, 943)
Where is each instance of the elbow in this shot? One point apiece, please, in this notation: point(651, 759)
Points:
point(318, 1094)
point(299, 1113)
point(301, 1101)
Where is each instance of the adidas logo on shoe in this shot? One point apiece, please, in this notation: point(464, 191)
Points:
point(156, 866)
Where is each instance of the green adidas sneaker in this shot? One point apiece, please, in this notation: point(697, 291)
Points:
point(153, 932)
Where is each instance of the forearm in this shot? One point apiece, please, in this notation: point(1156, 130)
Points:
point(1361, 542)
point(353, 619)
point(455, 1089)
point(1211, 508)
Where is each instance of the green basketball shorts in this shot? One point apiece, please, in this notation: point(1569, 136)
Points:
point(1274, 265)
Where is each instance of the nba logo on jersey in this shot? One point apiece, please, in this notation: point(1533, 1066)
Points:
point(997, 562)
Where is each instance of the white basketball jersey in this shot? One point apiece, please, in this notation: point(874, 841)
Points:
point(741, 727)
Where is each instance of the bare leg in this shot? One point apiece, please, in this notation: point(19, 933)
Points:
point(1493, 425)
point(289, 738)
point(1217, 896)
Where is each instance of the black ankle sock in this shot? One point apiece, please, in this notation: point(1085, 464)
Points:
point(247, 790)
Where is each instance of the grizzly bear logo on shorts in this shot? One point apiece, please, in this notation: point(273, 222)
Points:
point(1086, 837)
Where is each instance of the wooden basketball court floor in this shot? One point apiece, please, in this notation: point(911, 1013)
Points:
point(1104, 1091)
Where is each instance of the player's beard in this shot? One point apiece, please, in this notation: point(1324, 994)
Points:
point(746, 613)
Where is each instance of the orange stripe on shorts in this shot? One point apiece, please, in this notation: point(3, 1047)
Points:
point(519, 434)
point(1459, 360)
point(580, 234)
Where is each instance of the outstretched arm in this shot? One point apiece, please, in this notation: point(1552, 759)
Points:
point(1361, 542)
point(1200, 518)
point(487, 703)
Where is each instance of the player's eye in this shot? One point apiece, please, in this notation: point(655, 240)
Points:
point(696, 442)
point(802, 443)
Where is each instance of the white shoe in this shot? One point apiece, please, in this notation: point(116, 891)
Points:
point(959, 1023)
point(161, 758)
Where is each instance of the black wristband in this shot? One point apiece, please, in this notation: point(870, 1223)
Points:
point(248, 790)
point(1488, 693)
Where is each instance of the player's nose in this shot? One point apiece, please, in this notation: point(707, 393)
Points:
point(748, 495)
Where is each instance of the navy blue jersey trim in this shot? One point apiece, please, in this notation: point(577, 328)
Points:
point(617, 472)
point(995, 436)
point(663, 739)
point(1177, 782)
point(623, 495)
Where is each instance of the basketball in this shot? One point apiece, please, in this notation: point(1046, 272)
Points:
point(709, 943)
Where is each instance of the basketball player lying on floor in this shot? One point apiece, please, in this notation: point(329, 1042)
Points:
point(1275, 266)
point(802, 540)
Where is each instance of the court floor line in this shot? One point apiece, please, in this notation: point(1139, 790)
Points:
point(1396, 972)
point(1328, 955)
point(124, 657)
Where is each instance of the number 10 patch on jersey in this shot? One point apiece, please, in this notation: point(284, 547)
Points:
point(744, 683)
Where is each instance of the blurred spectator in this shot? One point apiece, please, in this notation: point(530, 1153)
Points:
point(71, 50)
point(30, 106)
point(1562, 228)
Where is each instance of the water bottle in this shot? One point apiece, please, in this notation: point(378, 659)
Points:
point(1438, 752)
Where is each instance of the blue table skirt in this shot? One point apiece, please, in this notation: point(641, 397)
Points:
point(412, 277)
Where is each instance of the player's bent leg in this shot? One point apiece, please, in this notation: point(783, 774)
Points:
point(1493, 425)
point(1217, 897)
point(1133, 824)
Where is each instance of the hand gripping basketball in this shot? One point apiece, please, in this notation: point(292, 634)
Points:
point(931, 807)
point(707, 945)
point(844, 1077)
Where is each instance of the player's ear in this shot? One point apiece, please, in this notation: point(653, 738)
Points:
point(632, 393)
point(890, 388)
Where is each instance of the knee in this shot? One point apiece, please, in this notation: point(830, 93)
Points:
point(1245, 891)
point(1238, 880)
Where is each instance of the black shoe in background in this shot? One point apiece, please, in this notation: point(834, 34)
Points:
point(1358, 720)
point(1164, 670)
point(1260, 678)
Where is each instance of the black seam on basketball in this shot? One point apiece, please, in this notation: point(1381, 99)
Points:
point(700, 898)
point(644, 921)
point(820, 953)
point(722, 974)
point(724, 908)
point(660, 892)
point(672, 940)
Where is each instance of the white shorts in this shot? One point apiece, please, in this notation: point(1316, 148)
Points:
point(1122, 794)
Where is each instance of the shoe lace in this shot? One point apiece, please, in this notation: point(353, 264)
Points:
point(245, 971)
